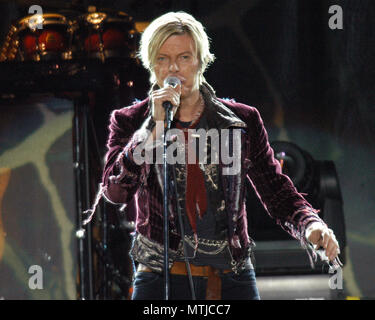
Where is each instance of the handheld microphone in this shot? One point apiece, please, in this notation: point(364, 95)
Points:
point(173, 82)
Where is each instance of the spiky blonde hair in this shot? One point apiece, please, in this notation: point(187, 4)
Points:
point(169, 24)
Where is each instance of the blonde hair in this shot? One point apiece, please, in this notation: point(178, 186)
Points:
point(169, 24)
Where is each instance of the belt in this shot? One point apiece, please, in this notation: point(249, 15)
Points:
point(213, 291)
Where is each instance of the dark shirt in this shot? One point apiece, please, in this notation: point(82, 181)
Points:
point(219, 256)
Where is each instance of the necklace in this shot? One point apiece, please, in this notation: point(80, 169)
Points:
point(200, 108)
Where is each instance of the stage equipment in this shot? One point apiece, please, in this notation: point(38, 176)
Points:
point(276, 251)
point(94, 35)
point(283, 268)
point(77, 55)
point(25, 42)
point(167, 105)
point(104, 35)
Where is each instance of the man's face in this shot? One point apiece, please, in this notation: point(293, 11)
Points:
point(178, 57)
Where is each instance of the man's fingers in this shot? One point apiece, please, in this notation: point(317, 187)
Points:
point(167, 94)
point(319, 243)
point(331, 250)
point(178, 88)
point(326, 240)
point(331, 245)
point(164, 94)
point(327, 236)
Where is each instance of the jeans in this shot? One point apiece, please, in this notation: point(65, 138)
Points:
point(150, 286)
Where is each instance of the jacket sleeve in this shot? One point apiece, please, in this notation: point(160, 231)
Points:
point(275, 190)
point(122, 175)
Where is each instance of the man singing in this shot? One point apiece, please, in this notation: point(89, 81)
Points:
point(211, 200)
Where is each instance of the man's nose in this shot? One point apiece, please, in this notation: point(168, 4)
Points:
point(173, 67)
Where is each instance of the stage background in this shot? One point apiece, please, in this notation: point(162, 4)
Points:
point(37, 208)
point(313, 86)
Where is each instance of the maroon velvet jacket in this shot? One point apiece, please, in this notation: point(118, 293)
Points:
point(123, 179)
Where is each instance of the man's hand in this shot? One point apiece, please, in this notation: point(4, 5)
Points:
point(167, 93)
point(322, 237)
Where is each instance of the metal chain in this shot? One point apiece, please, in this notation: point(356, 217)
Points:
point(221, 244)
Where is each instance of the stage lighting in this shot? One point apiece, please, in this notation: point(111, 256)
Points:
point(276, 251)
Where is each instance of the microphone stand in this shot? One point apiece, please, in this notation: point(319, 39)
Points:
point(168, 121)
